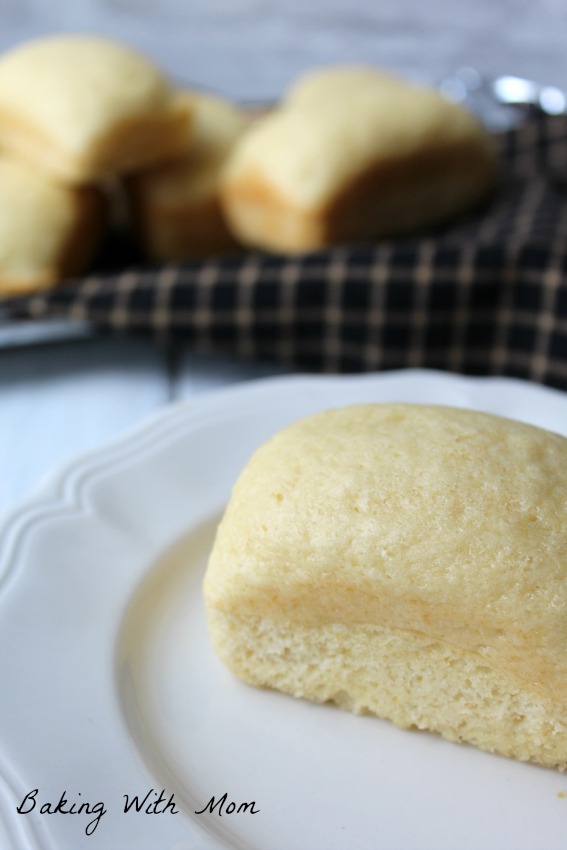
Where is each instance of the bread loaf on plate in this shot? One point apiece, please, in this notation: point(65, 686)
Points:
point(407, 561)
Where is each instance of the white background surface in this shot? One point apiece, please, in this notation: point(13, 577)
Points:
point(58, 400)
point(252, 48)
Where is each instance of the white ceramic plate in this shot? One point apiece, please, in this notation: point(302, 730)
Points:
point(109, 686)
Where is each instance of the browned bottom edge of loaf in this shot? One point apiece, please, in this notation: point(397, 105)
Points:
point(396, 197)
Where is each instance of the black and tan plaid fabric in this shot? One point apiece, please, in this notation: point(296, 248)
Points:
point(487, 296)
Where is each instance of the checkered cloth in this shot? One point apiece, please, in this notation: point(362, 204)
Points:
point(486, 296)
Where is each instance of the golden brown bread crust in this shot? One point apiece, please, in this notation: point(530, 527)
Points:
point(176, 234)
point(130, 145)
point(82, 108)
point(51, 233)
point(394, 197)
point(175, 205)
point(353, 154)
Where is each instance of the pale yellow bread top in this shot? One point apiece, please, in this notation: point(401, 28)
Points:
point(74, 91)
point(216, 125)
point(337, 82)
point(446, 522)
point(338, 123)
point(38, 219)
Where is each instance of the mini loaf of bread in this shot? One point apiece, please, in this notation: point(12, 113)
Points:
point(406, 561)
point(48, 231)
point(175, 205)
point(352, 155)
point(82, 108)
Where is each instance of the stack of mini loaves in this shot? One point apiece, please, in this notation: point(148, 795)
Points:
point(349, 155)
point(78, 114)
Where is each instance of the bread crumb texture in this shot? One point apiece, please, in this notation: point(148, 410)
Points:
point(408, 561)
